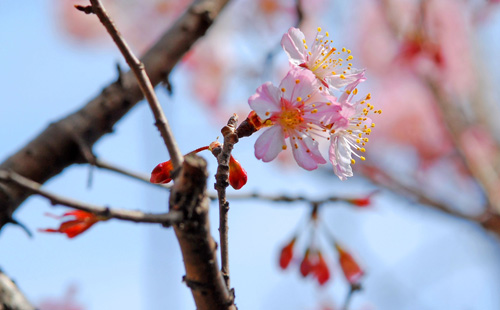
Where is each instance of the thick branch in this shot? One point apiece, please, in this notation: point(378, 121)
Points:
point(144, 83)
point(189, 195)
point(11, 297)
point(167, 219)
point(57, 147)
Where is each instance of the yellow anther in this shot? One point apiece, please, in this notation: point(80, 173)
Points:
point(327, 34)
point(309, 53)
point(362, 158)
point(332, 131)
point(328, 103)
point(267, 113)
point(334, 73)
point(296, 146)
point(365, 139)
point(304, 41)
point(358, 141)
point(299, 99)
point(369, 96)
point(373, 124)
point(305, 46)
point(283, 89)
point(362, 149)
point(379, 111)
point(342, 76)
point(352, 161)
point(350, 57)
point(283, 147)
point(314, 111)
point(297, 81)
point(348, 92)
point(344, 49)
point(348, 51)
point(319, 29)
point(355, 91)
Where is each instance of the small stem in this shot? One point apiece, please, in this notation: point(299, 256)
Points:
point(144, 83)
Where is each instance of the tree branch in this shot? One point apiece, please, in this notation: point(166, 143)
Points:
point(166, 219)
point(203, 277)
point(57, 146)
point(11, 297)
point(144, 83)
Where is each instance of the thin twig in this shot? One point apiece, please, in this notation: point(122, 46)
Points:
point(131, 174)
point(167, 219)
point(353, 289)
point(144, 83)
point(222, 176)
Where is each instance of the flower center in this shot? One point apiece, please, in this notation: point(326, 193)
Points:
point(290, 118)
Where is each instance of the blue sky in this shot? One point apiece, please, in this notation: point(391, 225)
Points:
point(415, 258)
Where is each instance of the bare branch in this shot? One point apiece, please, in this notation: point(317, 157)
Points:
point(203, 276)
point(11, 297)
point(57, 148)
point(222, 176)
point(167, 219)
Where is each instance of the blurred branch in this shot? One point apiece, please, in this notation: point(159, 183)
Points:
point(144, 83)
point(167, 219)
point(189, 196)
point(57, 146)
point(11, 297)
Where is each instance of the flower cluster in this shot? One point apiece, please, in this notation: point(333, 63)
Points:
point(313, 263)
point(305, 106)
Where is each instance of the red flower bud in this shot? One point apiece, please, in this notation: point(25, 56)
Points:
point(161, 173)
point(360, 202)
point(237, 175)
point(321, 270)
point(287, 254)
point(306, 265)
point(350, 267)
point(72, 228)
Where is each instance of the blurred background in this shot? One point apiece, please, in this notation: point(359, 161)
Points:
point(428, 238)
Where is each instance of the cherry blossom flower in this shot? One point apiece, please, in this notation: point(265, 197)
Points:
point(296, 111)
point(348, 135)
point(321, 59)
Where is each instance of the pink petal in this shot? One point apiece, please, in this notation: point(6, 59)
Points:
point(265, 101)
point(307, 85)
point(307, 160)
point(269, 144)
point(293, 44)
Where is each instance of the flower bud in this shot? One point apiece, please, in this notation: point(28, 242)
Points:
point(306, 264)
point(82, 221)
point(161, 173)
point(287, 254)
point(352, 271)
point(321, 271)
point(237, 175)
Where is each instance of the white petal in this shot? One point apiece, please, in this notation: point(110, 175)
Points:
point(265, 101)
point(293, 44)
point(269, 144)
point(307, 160)
point(340, 157)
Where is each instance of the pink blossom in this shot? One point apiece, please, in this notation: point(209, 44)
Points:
point(294, 111)
point(321, 59)
point(349, 133)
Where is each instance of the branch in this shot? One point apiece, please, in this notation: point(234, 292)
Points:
point(203, 277)
point(167, 219)
point(131, 174)
point(11, 297)
point(221, 177)
point(57, 146)
point(144, 83)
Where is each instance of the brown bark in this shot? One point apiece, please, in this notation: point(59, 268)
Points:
point(60, 144)
point(11, 297)
point(189, 195)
